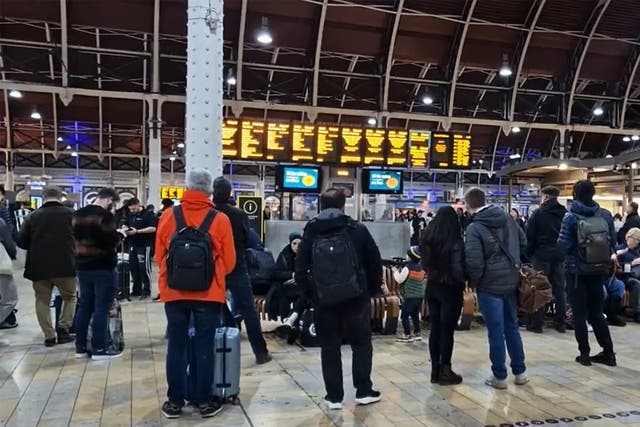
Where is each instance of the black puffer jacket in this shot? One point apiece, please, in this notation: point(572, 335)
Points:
point(543, 230)
point(488, 268)
point(240, 226)
point(285, 265)
point(455, 274)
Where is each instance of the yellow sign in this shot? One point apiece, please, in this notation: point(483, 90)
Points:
point(171, 192)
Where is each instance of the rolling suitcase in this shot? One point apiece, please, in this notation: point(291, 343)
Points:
point(124, 275)
point(226, 376)
point(115, 332)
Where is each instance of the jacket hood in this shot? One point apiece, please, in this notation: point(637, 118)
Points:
point(327, 220)
point(553, 208)
point(492, 217)
point(583, 209)
point(194, 200)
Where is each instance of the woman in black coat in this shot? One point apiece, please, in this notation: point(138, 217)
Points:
point(287, 291)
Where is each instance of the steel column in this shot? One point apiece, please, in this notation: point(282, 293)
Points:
point(317, 53)
point(243, 21)
point(154, 161)
point(65, 43)
point(391, 48)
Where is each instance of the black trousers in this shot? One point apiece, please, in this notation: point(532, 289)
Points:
point(140, 265)
point(587, 302)
point(554, 270)
point(411, 310)
point(349, 323)
point(445, 304)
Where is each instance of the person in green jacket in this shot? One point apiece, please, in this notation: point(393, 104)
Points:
point(412, 281)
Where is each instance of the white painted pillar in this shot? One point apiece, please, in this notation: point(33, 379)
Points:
point(204, 86)
point(155, 153)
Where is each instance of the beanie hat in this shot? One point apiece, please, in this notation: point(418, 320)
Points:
point(414, 253)
point(634, 234)
point(293, 236)
point(221, 189)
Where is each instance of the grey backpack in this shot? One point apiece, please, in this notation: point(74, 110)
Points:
point(594, 245)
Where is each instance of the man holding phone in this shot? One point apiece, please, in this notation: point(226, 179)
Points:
point(140, 227)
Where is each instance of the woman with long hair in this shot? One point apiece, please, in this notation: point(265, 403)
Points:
point(442, 250)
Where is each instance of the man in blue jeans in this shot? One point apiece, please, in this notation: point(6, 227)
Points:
point(493, 244)
point(96, 239)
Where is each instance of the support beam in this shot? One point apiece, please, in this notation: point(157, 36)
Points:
point(391, 47)
point(630, 70)
point(454, 63)
point(47, 30)
point(243, 22)
point(521, 50)
point(317, 53)
point(65, 43)
point(580, 52)
point(155, 79)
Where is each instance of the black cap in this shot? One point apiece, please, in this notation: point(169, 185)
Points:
point(221, 189)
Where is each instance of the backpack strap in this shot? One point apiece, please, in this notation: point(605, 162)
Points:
point(208, 220)
point(179, 217)
point(502, 246)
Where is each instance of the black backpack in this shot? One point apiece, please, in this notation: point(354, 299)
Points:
point(190, 265)
point(261, 265)
point(594, 245)
point(336, 269)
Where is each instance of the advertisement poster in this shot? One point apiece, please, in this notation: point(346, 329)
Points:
point(300, 179)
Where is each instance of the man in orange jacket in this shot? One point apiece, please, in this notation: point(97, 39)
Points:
point(205, 306)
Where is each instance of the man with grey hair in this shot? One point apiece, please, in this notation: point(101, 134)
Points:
point(200, 296)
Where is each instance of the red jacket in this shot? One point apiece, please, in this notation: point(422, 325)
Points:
point(195, 206)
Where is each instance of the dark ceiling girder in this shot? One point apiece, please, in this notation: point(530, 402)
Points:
point(624, 87)
point(392, 33)
point(575, 66)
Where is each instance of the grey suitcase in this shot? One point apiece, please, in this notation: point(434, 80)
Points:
point(226, 383)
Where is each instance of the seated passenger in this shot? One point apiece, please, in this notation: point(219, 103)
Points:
point(629, 258)
point(412, 281)
point(613, 293)
point(288, 292)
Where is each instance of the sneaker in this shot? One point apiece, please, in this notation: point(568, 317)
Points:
point(496, 383)
point(8, 325)
point(368, 398)
point(334, 406)
point(521, 379)
point(263, 358)
point(49, 342)
point(170, 410)
point(417, 337)
point(156, 298)
point(211, 410)
point(105, 355)
point(584, 360)
point(82, 354)
point(589, 327)
point(604, 359)
point(405, 338)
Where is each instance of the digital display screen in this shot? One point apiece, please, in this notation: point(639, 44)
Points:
point(230, 140)
point(419, 141)
point(351, 146)
point(328, 140)
point(171, 192)
point(461, 152)
point(278, 141)
point(303, 143)
point(376, 181)
point(398, 148)
point(252, 140)
point(299, 179)
point(374, 146)
point(441, 150)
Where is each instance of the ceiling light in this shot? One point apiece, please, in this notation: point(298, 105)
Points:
point(505, 69)
point(608, 156)
point(635, 137)
point(634, 165)
point(35, 115)
point(563, 166)
point(372, 121)
point(231, 81)
point(481, 161)
point(515, 129)
point(74, 154)
point(427, 100)
point(514, 156)
point(172, 158)
point(15, 94)
point(598, 111)
point(68, 147)
point(174, 152)
point(626, 139)
point(180, 144)
point(59, 139)
point(264, 35)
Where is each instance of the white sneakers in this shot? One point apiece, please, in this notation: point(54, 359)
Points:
point(334, 406)
point(521, 379)
point(494, 382)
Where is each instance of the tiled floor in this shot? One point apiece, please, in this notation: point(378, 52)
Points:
point(48, 387)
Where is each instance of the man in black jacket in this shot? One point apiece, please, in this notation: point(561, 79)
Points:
point(47, 236)
point(632, 221)
point(493, 245)
point(238, 282)
point(141, 231)
point(348, 321)
point(542, 248)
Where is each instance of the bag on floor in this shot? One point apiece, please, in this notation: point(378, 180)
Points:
point(308, 336)
point(468, 309)
point(115, 332)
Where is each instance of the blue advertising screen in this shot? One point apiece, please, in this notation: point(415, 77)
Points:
point(300, 179)
point(385, 181)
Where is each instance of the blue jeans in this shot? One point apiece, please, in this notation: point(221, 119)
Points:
point(500, 313)
point(239, 284)
point(206, 317)
point(97, 292)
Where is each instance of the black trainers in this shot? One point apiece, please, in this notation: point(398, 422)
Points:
point(49, 342)
point(211, 410)
point(263, 358)
point(8, 325)
point(64, 336)
point(584, 360)
point(372, 396)
point(604, 359)
point(170, 410)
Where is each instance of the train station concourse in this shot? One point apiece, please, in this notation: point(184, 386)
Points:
point(319, 213)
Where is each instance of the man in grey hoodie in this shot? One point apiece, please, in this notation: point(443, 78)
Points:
point(493, 244)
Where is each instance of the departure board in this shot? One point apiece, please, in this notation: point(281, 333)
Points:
point(252, 140)
point(303, 143)
point(374, 146)
point(419, 148)
point(461, 151)
point(397, 148)
point(278, 141)
point(230, 140)
point(441, 150)
point(351, 152)
point(327, 143)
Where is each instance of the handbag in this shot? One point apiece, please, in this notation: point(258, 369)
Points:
point(6, 266)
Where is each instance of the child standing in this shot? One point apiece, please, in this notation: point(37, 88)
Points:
point(412, 281)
